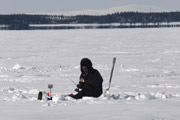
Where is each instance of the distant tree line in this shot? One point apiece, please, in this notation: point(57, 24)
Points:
point(24, 20)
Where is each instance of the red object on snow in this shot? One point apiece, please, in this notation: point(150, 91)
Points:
point(48, 94)
point(71, 95)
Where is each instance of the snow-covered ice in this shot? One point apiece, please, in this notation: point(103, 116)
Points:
point(145, 83)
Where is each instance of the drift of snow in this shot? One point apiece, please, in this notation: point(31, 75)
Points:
point(145, 83)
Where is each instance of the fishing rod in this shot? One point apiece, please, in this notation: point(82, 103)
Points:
point(77, 89)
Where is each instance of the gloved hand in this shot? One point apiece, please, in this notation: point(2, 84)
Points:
point(80, 85)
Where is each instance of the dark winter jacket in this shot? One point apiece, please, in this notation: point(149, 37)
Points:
point(93, 83)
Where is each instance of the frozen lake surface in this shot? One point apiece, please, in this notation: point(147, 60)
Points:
point(145, 83)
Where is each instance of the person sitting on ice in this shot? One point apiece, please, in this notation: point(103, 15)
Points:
point(90, 83)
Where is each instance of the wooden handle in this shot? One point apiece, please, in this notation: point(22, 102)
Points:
point(114, 61)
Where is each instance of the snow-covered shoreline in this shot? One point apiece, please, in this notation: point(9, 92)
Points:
point(92, 26)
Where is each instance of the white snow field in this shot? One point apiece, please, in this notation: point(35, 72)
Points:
point(145, 84)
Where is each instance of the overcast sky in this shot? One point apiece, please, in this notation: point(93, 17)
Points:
point(59, 6)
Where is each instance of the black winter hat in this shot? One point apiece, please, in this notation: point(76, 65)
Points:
point(86, 62)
